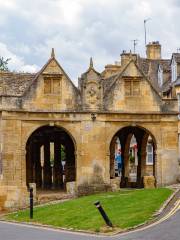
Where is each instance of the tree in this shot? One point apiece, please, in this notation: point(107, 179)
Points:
point(4, 64)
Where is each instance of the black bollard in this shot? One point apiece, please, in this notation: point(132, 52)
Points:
point(31, 202)
point(104, 215)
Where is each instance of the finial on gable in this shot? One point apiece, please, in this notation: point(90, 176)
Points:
point(91, 63)
point(52, 53)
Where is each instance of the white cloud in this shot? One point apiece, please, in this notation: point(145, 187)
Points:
point(79, 29)
point(6, 5)
point(16, 62)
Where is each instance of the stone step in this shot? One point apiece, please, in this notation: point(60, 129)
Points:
point(49, 197)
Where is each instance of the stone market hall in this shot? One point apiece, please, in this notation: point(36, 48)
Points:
point(117, 129)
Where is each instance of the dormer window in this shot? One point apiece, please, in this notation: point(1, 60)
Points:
point(52, 84)
point(132, 87)
point(160, 76)
point(173, 70)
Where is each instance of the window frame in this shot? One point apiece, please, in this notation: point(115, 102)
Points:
point(149, 153)
point(52, 79)
point(132, 82)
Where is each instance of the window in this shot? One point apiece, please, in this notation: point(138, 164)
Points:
point(47, 86)
point(173, 70)
point(127, 85)
point(132, 87)
point(149, 156)
point(52, 85)
point(160, 76)
point(56, 86)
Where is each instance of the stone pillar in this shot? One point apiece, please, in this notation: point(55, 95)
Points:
point(143, 163)
point(123, 141)
point(139, 180)
point(58, 169)
point(29, 164)
point(144, 154)
point(126, 157)
point(70, 170)
point(38, 172)
point(179, 137)
point(155, 164)
point(126, 164)
point(47, 166)
point(112, 158)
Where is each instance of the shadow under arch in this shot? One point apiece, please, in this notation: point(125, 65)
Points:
point(50, 158)
point(144, 155)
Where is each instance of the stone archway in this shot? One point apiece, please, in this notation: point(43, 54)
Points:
point(50, 158)
point(145, 154)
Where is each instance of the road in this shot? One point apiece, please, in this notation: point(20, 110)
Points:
point(169, 229)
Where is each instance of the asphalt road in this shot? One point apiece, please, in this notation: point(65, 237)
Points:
point(167, 230)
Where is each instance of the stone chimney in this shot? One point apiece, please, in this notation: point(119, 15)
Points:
point(153, 50)
point(126, 57)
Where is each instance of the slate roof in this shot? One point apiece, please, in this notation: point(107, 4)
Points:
point(166, 86)
point(177, 82)
point(14, 84)
point(176, 57)
point(108, 81)
point(150, 69)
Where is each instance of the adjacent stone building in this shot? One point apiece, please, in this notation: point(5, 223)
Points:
point(64, 137)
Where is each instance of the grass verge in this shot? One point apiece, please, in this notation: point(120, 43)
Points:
point(126, 209)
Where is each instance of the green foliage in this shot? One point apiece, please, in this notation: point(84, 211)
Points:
point(63, 153)
point(126, 208)
point(4, 64)
point(132, 159)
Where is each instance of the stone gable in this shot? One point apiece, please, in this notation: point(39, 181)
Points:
point(51, 90)
point(132, 92)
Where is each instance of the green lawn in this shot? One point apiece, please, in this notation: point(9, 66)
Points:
point(125, 208)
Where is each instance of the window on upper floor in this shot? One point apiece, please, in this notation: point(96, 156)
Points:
point(52, 85)
point(132, 87)
point(160, 76)
point(173, 70)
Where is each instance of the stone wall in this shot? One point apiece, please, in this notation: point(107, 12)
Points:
point(129, 100)
point(92, 140)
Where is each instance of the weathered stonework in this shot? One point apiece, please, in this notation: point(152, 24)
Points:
point(126, 98)
point(149, 182)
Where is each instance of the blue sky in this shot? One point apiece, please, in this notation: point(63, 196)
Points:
point(79, 29)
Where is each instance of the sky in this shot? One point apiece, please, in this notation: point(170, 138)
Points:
point(80, 29)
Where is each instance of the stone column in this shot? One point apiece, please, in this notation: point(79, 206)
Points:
point(70, 170)
point(38, 172)
point(144, 154)
point(123, 141)
point(47, 166)
point(126, 156)
point(143, 163)
point(58, 169)
point(29, 165)
point(155, 164)
point(139, 180)
point(140, 139)
point(126, 164)
point(112, 158)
